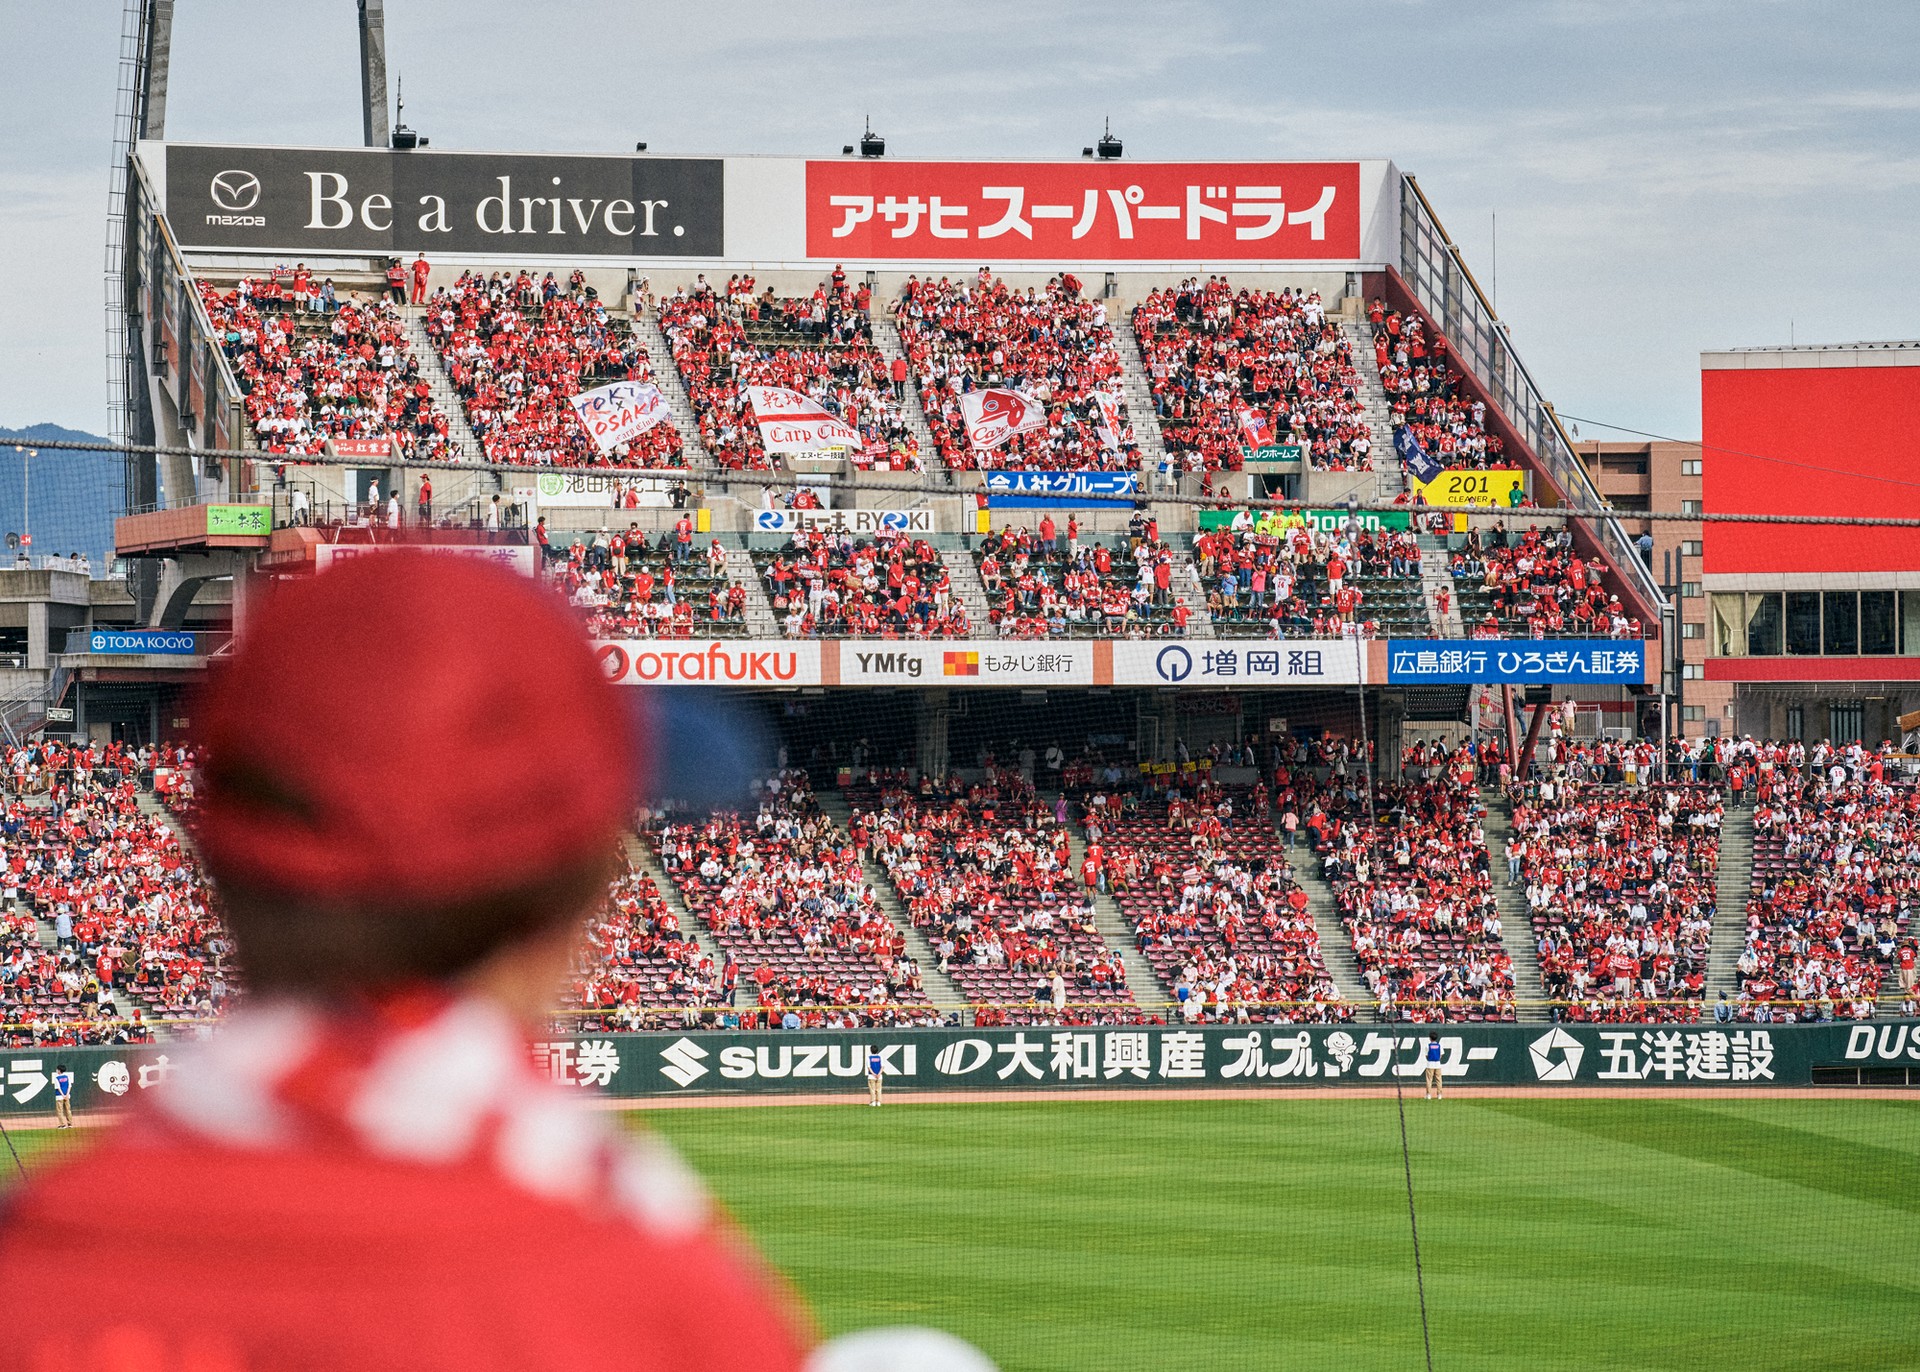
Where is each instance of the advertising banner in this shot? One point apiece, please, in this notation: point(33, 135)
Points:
point(791, 422)
point(153, 642)
point(518, 557)
point(877, 210)
point(961, 662)
point(1507, 661)
point(620, 412)
point(1498, 489)
point(372, 200)
point(805, 1061)
point(239, 521)
point(1332, 521)
point(697, 662)
point(362, 449)
point(996, 414)
point(581, 490)
point(1028, 490)
point(1285, 662)
point(856, 522)
point(1277, 455)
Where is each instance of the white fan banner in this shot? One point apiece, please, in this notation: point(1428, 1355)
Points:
point(792, 422)
point(996, 414)
point(620, 412)
point(1110, 428)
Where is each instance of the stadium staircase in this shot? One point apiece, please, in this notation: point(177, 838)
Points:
point(1336, 949)
point(1733, 883)
point(1389, 478)
point(1149, 992)
point(761, 621)
point(1516, 924)
point(1435, 578)
point(1137, 390)
point(466, 443)
point(667, 377)
point(643, 858)
point(967, 585)
point(941, 991)
point(1191, 592)
point(886, 342)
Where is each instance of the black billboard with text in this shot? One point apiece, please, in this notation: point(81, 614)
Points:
point(359, 200)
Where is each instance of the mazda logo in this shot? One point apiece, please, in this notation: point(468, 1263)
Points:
point(1174, 664)
point(235, 190)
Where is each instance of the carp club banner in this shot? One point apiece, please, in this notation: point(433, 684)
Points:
point(620, 412)
point(1733, 1056)
point(791, 422)
point(996, 414)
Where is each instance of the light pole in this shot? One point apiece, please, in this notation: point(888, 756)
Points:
point(26, 501)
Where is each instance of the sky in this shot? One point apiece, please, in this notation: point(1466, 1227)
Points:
point(1667, 177)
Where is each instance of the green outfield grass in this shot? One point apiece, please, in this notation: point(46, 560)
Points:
point(1273, 1233)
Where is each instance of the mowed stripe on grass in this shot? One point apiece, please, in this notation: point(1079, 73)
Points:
point(1273, 1233)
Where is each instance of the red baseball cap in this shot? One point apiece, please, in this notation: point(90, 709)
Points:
point(410, 729)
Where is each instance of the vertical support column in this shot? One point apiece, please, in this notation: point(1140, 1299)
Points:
point(39, 634)
point(373, 72)
point(932, 716)
point(1390, 717)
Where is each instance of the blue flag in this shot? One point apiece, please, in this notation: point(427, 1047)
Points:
point(1422, 466)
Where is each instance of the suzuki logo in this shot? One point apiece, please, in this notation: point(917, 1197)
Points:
point(235, 190)
point(682, 1062)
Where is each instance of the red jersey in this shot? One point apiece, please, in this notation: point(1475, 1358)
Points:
point(312, 1192)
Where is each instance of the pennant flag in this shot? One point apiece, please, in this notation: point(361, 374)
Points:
point(1255, 429)
point(997, 414)
point(1110, 427)
point(792, 422)
point(1418, 461)
point(620, 412)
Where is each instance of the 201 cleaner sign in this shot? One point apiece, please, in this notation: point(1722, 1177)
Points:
point(316, 201)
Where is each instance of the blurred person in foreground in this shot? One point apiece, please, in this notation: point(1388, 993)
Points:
point(361, 1168)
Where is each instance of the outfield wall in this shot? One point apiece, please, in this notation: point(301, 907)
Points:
point(776, 1062)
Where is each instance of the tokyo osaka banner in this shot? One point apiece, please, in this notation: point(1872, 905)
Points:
point(1086, 211)
point(791, 422)
point(620, 412)
point(997, 414)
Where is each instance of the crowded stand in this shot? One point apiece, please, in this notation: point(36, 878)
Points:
point(106, 920)
point(1046, 582)
point(517, 351)
point(1620, 889)
point(1202, 877)
point(314, 367)
point(1051, 343)
point(784, 895)
point(836, 585)
point(820, 346)
point(1234, 370)
point(1416, 898)
point(631, 586)
point(1533, 585)
point(1836, 868)
point(1278, 577)
point(637, 969)
point(1425, 392)
point(986, 871)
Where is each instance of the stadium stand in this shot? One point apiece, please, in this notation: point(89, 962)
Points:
point(1416, 898)
point(314, 367)
point(517, 350)
point(1620, 888)
point(821, 346)
point(1424, 392)
point(1276, 578)
point(1048, 582)
point(637, 966)
point(834, 585)
point(784, 896)
point(1052, 343)
point(1204, 881)
point(1836, 862)
point(630, 586)
point(985, 870)
point(1533, 584)
point(1232, 369)
point(107, 923)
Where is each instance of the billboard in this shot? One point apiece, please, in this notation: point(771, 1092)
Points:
point(773, 211)
point(1814, 431)
point(880, 210)
point(1506, 661)
point(373, 200)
